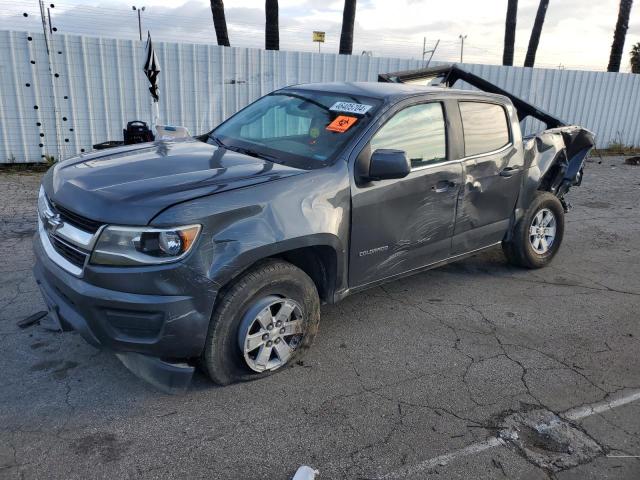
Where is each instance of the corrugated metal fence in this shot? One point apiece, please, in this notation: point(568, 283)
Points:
point(86, 89)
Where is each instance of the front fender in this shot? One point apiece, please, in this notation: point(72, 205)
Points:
point(243, 226)
point(234, 258)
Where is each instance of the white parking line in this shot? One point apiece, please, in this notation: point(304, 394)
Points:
point(445, 459)
point(572, 414)
point(595, 408)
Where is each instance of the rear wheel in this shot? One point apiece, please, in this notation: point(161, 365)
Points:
point(538, 235)
point(263, 322)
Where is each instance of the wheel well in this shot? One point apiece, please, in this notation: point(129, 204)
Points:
point(552, 178)
point(549, 181)
point(320, 263)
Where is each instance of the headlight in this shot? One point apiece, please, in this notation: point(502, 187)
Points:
point(143, 245)
point(43, 205)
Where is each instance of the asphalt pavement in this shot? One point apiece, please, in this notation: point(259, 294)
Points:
point(475, 370)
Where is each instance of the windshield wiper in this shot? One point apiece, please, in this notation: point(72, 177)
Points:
point(245, 151)
point(254, 153)
point(217, 140)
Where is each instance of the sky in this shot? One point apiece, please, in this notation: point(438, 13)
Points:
point(576, 34)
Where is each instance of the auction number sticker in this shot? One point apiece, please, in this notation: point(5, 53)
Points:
point(359, 108)
point(341, 124)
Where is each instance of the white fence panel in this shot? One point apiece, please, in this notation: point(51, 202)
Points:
point(89, 87)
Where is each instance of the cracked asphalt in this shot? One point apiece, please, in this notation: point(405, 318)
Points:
point(398, 375)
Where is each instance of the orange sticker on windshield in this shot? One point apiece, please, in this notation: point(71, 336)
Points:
point(341, 124)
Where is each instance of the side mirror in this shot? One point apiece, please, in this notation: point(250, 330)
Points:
point(387, 164)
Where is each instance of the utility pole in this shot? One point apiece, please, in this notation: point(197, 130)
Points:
point(134, 8)
point(462, 38)
point(53, 75)
point(425, 51)
point(44, 25)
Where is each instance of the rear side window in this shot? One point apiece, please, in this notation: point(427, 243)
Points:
point(485, 127)
point(419, 131)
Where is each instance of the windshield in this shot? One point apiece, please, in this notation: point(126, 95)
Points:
point(303, 129)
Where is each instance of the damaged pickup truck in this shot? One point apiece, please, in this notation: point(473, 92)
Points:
point(219, 250)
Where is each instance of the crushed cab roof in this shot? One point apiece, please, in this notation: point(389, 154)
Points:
point(449, 74)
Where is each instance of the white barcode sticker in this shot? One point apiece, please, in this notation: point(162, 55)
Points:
point(359, 108)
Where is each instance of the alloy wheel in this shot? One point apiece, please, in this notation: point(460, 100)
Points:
point(542, 231)
point(270, 333)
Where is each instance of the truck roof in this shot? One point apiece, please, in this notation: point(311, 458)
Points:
point(389, 91)
point(450, 74)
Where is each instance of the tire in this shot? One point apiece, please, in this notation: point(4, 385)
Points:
point(527, 250)
point(242, 311)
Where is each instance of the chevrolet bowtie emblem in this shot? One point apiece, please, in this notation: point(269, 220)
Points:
point(53, 223)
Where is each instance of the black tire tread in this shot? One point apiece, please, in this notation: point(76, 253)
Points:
point(516, 249)
point(266, 269)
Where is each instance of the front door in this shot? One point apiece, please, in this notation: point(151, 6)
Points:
point(401, 225)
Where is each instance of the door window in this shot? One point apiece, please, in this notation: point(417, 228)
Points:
point(485, 127)
point(419, 131)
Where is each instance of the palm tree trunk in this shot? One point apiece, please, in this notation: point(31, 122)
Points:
point(619, 36)
point(271, 31)
point(635, 58)
point(348, 21)
point(530, 59)
point(219, 22)
point(510, 32)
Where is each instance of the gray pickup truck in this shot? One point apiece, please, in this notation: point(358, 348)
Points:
point(218, 251)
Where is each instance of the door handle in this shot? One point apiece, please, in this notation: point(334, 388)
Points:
point(443, 186)
point(509, 171)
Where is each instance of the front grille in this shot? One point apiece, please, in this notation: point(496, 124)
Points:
point(71, 254)
point(76, 220)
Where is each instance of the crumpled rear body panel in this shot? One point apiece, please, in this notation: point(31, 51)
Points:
point(554, 160)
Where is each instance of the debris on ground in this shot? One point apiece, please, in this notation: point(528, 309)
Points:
point(51, 322)
point(548, 441)
point(305, 473)
point(632, 161)
point(31, 320)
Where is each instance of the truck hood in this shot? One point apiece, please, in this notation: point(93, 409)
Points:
point(130, 185)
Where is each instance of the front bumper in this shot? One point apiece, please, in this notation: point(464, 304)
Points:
point(146, 330)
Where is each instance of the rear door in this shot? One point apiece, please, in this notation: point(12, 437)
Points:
point(401, 225)
point(492, 173)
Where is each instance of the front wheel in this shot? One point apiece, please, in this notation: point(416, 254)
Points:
point(261, 323)
point(536, 238)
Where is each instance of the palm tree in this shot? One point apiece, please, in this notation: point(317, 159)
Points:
point(635, 58)
point(619, 36)
point(271, 32)
point(348, 20)
point(530, 59)
point(219, 22)
point(510, 32)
